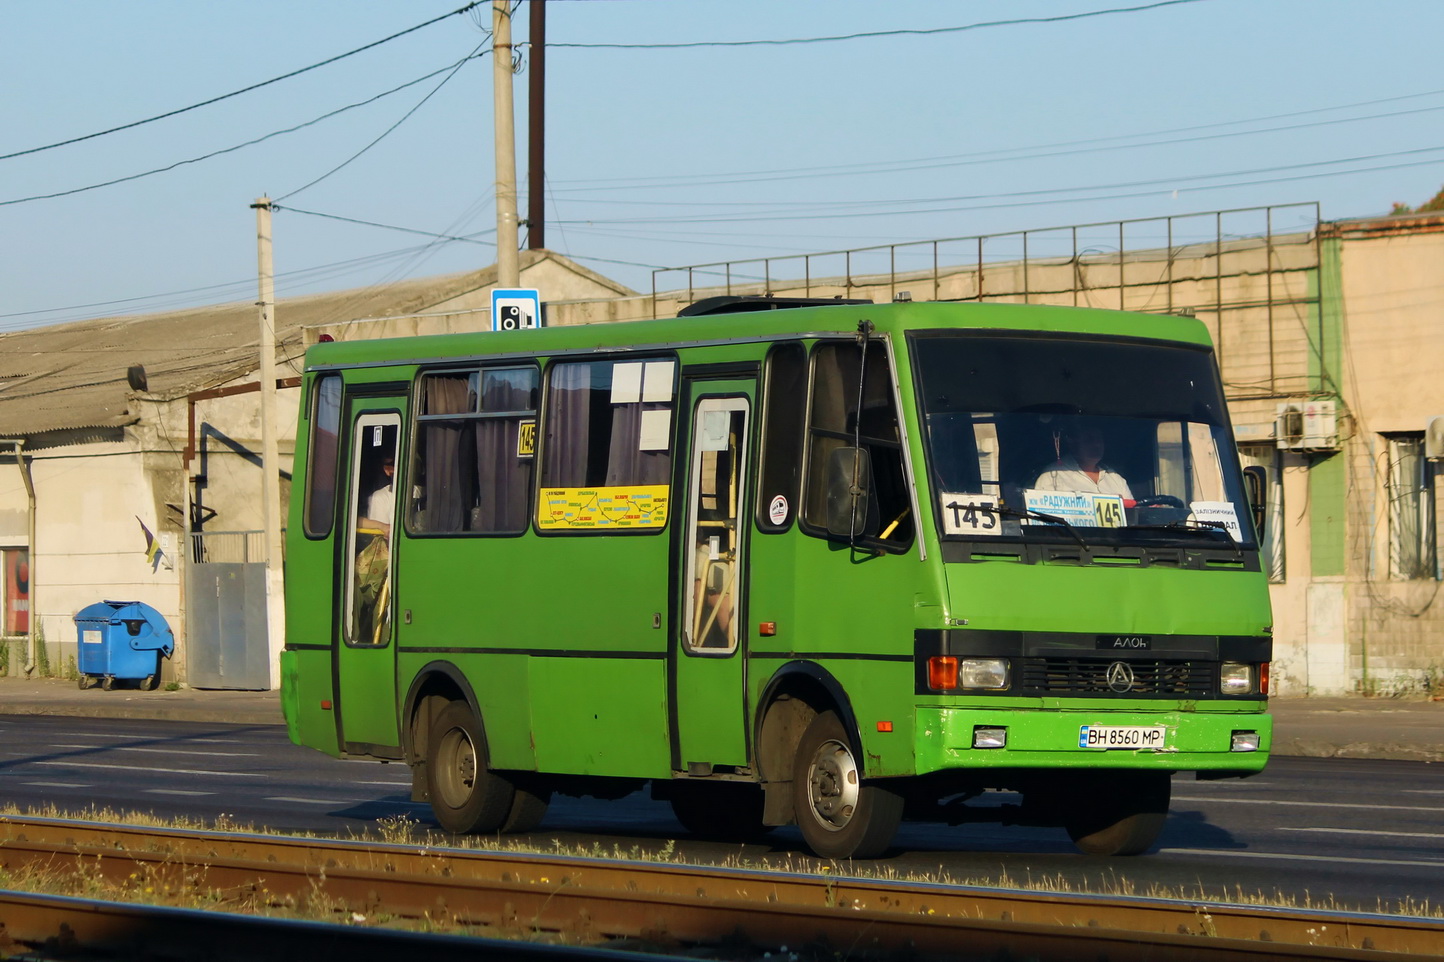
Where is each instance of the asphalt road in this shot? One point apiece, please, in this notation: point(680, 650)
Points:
point(1366, 833)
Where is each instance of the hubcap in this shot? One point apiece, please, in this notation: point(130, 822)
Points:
point(833, 785)
point(458, 768)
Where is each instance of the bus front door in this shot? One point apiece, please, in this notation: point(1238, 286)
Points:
point(708, 682)
point(365, 656)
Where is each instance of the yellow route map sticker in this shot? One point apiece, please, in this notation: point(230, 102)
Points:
point(628, 506)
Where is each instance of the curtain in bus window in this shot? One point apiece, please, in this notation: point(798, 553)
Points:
point(503, 474)
point(444, 497)
point(568, 426)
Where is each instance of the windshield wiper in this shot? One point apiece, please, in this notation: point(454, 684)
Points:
point(1045, 518)
point(1196, 526)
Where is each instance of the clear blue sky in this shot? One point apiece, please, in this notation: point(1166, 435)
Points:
point(667, 157)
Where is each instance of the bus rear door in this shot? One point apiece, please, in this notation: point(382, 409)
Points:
point(366, 573)
point(710, 605)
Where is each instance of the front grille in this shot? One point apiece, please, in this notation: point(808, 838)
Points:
point(1090, 676)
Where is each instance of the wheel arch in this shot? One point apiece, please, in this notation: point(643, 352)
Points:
point(436, 680)
point(796, 693)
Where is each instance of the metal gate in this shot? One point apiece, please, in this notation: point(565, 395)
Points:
point(226, 630)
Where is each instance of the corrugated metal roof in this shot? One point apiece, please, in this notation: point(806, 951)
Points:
point(73, 376)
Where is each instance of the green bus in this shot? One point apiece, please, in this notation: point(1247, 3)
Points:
point(783, 561)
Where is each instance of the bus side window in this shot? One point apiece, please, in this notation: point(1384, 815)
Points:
point(321, 456)
point(835, 423)
point(475, 441)
point(783, 418)
point(608, 424)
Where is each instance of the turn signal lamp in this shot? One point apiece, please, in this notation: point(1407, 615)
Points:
point(942, 673)
point(1263, 678)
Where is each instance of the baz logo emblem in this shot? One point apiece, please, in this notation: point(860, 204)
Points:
point(1125, 642)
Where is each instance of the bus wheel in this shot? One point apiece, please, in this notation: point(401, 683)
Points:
point(466, 797)
point(839, 814)
point(1119, 813)
point(725, 812)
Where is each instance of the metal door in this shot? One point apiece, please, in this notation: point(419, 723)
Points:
point(710, 607)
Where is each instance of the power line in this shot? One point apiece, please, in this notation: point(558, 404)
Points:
point(986, 157)
point(237, 93)
point(871, 34)
point(470, 238)
point(1064, 190)
point(251, 143)
point(478, 52)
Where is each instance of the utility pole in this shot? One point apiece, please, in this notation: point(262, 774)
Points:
point(270, 454)
point(536, 117)
point(508, 271)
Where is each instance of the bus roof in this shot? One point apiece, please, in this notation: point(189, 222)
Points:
point(760, 325)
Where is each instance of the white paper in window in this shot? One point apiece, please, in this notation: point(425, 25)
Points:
point(627, 383)
point(657, 385)
point(655, 432)
point(714, 431)
point(1222, 512)
point(985, 436)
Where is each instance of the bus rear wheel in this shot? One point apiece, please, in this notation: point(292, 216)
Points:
point(1118, 813)
point(840, 815)
point(466, 796)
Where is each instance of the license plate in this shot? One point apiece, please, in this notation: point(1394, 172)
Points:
point(1121, 736)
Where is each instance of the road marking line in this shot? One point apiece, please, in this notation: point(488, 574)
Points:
point(174, 791)
point(308, 801)
point(388, 784)
point(1365, 831)
point(169, 771)
point(1268, 801)
point(1225, 853)
point(177, 751)
point(57, 784)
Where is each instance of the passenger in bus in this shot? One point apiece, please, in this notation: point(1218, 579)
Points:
point(381, 505)
point(1078, 465)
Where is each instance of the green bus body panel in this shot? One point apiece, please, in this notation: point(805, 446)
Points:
point(555, 633)
point(1108, 599)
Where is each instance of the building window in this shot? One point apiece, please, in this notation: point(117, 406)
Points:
point(1409, 483)
point(475, 447)
point(607, 448)
point(836, 429)
point(1271, 547)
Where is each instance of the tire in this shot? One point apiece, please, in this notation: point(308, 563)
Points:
point(107, 683)
point(840, 815)
point(719, 812)
point(149, 683)
point(528, 809)
point(1119, 813)
point(85, 682)
point(466, 796)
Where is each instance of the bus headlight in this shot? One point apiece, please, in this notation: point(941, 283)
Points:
point(1235, 678)
point(983, 673)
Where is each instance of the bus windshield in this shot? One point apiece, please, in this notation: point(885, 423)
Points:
point(1125, 441)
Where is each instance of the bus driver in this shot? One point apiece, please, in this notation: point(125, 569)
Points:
point(1079, 466)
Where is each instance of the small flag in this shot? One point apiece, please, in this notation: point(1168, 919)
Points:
point(153, 554)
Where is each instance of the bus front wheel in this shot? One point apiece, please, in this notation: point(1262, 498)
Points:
point(840, 815)
point(1119, 813)
point(466, 796)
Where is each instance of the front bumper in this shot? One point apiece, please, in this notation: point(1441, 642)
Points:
point(1194, 741)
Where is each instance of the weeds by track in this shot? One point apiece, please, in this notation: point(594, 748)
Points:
point(664, 905)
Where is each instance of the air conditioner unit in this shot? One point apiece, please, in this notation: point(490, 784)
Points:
point(1434, 439)
point(1307, 426)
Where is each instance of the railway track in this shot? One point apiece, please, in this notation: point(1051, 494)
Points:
point(590, 901)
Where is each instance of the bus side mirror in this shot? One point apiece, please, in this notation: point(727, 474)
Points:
point(1255, 478)
point(849, 485)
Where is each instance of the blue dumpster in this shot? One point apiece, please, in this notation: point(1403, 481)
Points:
point(122, 640)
